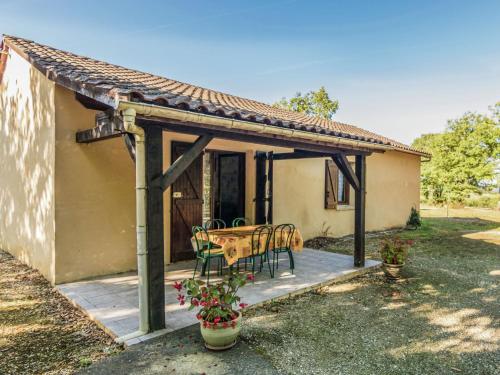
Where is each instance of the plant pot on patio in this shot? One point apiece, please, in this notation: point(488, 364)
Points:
point(221, 336)
point(220, 323)
point(394, 252)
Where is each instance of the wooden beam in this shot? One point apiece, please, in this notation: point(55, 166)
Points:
point(106, 127)
point(270, 158)
point(300, 155)
point(345, 167)
point(154, 228)
point(184, 161)
point(91, 103)
point(260, 187)
point(359, 213)
point(252, 137)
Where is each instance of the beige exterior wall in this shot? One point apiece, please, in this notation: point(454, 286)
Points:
point(95, 198)
point(27, 136)
point(393, 187)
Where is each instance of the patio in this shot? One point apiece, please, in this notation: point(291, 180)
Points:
point(112, 301)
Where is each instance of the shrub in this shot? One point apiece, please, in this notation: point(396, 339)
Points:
point(484, 201)
point(414, 218)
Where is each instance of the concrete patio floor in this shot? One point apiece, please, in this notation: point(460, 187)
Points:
point(112, 301)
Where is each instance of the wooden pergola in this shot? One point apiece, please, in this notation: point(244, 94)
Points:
point(109, 124)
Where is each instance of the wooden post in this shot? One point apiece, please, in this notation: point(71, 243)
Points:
point(154, 231)
point(359, 212)
point(270, 188)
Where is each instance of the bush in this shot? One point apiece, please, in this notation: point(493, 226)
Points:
point(484, 201)
point(414, 218)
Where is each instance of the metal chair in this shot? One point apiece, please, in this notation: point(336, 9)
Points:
point(261, 238)
point(214, 224)
point(282, 243)
point(240, 221)
point(205, 251)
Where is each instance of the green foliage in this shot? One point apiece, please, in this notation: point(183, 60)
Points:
point(394, 250)
point(215, 301)
point(313, 103)
point(464, 157)
point(414, 218)
point(484, 201)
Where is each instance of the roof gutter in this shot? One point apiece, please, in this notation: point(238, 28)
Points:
point(201, 118)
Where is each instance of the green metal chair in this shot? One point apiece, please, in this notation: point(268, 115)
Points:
point(241, 221)
point(261, 238)
point(206, 251)
point(282, 243)
point(214, 224)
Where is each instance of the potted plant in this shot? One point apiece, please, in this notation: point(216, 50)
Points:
point(394, 252)
point(220, 321)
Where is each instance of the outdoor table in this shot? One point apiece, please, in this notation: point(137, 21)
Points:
point(236, 242)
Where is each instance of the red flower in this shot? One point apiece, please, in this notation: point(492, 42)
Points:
point(217, 319)
point(177, 285)
point(198, 316)
point(203, 303)
point(195, 302)
point(204, 295)
point(250, 277)
point(243, 305)
point(215, 301)
point(181, 299)
point(205, 324)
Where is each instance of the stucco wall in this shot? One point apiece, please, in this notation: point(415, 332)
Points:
point(27, 131)
point(393, 183)
point(95, 198)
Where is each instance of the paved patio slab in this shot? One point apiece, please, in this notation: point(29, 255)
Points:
point(112, 301)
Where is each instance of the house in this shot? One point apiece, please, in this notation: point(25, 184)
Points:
point(90, 149)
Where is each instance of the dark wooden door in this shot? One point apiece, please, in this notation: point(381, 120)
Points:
point(187, 204)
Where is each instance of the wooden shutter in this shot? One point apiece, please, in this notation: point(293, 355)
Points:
point(331, 184)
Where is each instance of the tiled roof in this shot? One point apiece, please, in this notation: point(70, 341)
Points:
point(109, 80)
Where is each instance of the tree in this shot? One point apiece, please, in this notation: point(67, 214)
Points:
point(464, 157)
point(313, 103)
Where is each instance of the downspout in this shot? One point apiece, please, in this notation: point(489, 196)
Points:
point(128, 115)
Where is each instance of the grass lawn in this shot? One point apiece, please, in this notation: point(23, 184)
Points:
point(40, 331)
point(442, 319)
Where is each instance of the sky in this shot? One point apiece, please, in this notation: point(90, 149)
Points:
point(398, 68)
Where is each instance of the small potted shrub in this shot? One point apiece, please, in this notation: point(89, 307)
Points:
point(414, 220)
point(220, 322)
point(394, 252)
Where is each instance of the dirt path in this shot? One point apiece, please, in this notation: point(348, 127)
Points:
point(40, 331)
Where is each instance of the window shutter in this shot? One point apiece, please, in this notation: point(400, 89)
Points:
point(331, 184)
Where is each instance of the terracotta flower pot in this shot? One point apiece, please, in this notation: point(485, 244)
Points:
point(219, 337)
point(392, 271)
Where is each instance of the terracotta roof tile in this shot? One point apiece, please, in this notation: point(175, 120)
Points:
point(111, 79)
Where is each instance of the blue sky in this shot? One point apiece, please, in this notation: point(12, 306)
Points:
point(399, 68)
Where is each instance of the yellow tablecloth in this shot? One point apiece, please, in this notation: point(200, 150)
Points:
point(236, 243)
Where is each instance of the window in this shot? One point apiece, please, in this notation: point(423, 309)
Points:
point(336, 186)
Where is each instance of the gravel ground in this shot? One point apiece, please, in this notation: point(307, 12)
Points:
point(40, 331)
point(442, 319)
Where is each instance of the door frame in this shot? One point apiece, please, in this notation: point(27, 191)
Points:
point(241, 181)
